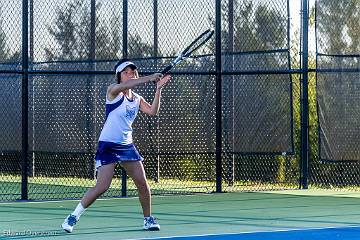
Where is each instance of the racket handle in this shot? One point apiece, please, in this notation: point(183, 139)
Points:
point(167, 69)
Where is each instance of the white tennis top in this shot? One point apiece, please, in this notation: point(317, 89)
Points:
point(120, 115)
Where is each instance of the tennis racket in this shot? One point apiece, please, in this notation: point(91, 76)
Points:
point(193, 46)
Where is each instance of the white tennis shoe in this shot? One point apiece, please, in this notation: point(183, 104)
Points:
point(69, 223)
point(150, 224)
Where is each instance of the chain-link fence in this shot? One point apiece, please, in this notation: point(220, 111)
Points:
point(229, 119)
point(338, 82)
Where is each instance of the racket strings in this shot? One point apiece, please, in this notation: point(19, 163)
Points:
point(197, 43)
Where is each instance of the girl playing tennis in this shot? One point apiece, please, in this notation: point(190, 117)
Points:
point(116, 143)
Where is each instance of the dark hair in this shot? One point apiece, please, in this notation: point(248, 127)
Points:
point(118, 74)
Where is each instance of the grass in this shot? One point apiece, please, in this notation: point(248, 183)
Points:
point(50, 188)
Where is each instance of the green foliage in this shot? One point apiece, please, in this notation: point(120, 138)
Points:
point(5, 54)
point(256, 27)
point(71, 33)
point(339, 33)
point(4, 51)
point(138, 48)
point(339, 26)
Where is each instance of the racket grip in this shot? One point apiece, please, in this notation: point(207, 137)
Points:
point(166, 70)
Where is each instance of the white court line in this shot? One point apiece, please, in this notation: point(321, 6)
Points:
point(101, 199)
point(249, 232)
point(57, 201)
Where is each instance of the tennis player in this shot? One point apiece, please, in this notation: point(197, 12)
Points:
point(116, 143)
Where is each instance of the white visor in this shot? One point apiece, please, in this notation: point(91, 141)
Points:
point(122, 66)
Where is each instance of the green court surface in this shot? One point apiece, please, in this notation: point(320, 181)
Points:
point(186, 216)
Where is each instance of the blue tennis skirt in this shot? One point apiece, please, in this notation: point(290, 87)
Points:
point(109, 152)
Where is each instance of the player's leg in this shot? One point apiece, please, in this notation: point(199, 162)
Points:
point(135, 170)
point(103, 181)
point(104, 176)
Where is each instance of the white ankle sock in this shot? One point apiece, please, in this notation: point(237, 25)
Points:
point(78, 211)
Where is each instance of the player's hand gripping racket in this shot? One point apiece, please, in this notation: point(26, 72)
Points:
point(196, 44)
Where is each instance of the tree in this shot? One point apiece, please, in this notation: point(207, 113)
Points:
point(252, 34)
point(138, 48)
point(257, 29)
point(4, 50)
point(6, 54)
point(71, 33)
point(338, 38)
point(338, 26)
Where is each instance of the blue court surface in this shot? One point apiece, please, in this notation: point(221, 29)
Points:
point(343, 233)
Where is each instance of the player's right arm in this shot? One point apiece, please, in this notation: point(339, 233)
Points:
point(114, 89)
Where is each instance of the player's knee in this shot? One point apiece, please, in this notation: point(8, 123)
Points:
point(100, 189)
point(143, 186)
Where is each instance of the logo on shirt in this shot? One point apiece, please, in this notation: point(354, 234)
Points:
point(130, 112)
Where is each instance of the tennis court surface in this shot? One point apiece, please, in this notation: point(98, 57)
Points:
point(296, 214)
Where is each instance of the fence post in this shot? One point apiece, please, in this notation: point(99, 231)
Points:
point(230, 160)
point(304, 150)
point(218, 147)
point(25, 102)
point(156, 176)
point(90, 124)
point(125, 54)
